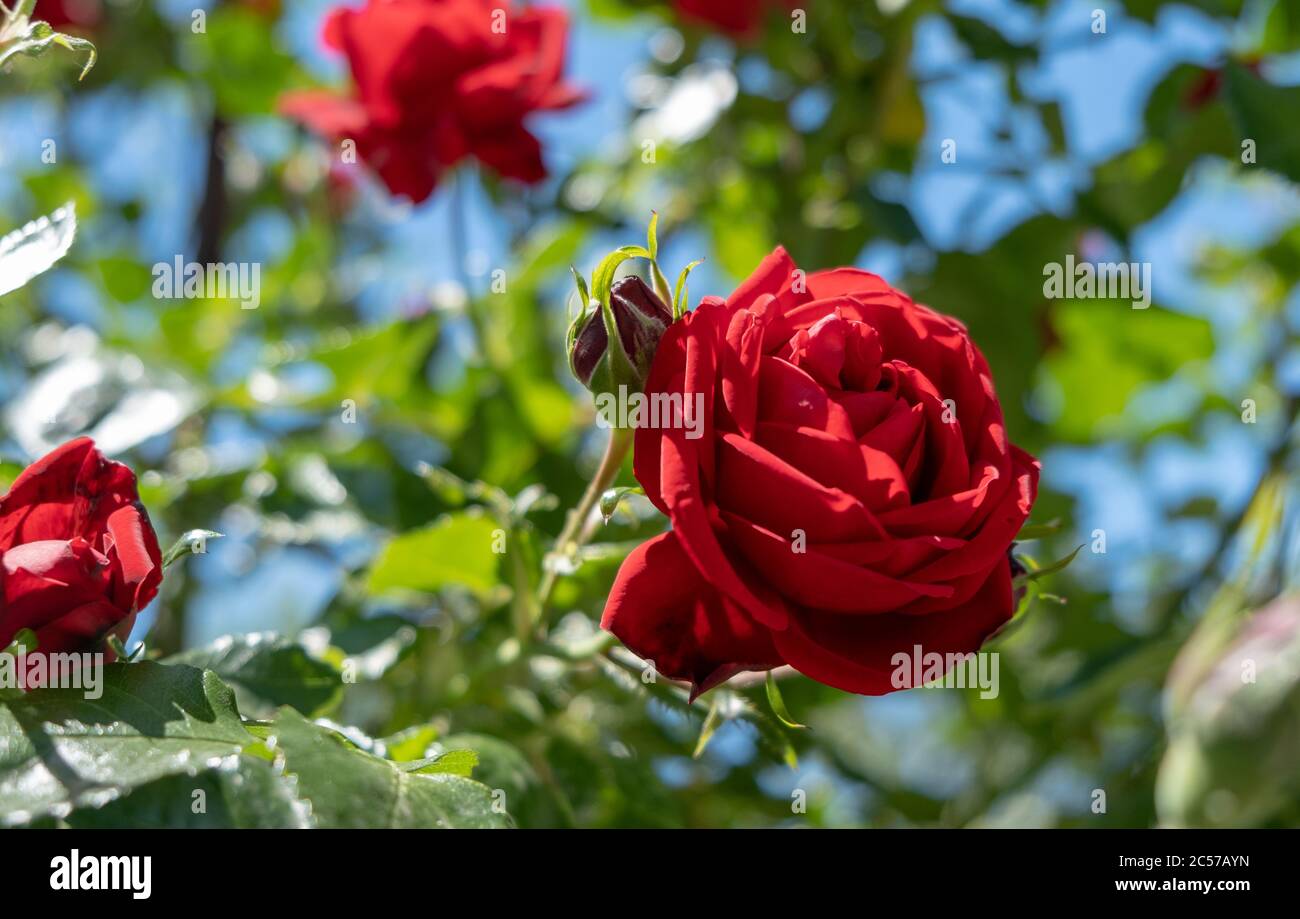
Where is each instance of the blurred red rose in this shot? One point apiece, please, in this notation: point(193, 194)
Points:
point(437, 81)
point(850, 492)
point(738, 18)
point(78, 558)
point(69, 14)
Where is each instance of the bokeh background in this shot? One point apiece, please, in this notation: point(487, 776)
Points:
point(1168, 430)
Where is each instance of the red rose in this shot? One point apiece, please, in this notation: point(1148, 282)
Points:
point(438, 81)
point(738, 18)
point(838, 508)
point(78, 558)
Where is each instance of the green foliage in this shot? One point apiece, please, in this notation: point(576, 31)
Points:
point(62, 751)
point(423, 446)
point(266, 671)
point(34, 248)
point(1109, 352)
point(1255, 104)
point(456, 550)
point(131, 758)
point(22, 35)
point(349, 787)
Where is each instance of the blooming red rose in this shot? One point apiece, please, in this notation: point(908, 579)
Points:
point(78, 558)
point(853, 493)
point(438, 81)
point(738, 18)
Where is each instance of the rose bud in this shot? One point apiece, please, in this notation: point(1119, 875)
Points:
point(78, 557)
point(640, 318)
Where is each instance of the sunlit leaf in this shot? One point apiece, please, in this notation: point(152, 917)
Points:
point(267, 671)
point(35, 248)
point(455, 551)
point(61, 750)
point(348, 787)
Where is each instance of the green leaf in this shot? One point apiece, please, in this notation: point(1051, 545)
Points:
point(60, 750)
point(775, 700)
point(454, 762)
point(1257, 106)
point(652, 235)
point(370, 366)
point(369, 647)
point(681, 295)
point(652, 246)
point(192, 542)
point(411, 744)
point(240, 61)
point(1058, 565)
point(253, 794)
point(348, 787)
point(584, 297)
point(584, 302)
point(35, 247)
point(456, 550)
point(712, 722)
point(1136, 348)
point(502, 766)
point(25, 639)
point(1038, 530)
point(602, 280)
point(20, 35)
point(267, 671)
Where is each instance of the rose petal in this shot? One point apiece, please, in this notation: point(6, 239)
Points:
point(663, 610)
point(748, 477)
point(43, 580)
point(811, 578)
point(856, 653)
point(138, 569)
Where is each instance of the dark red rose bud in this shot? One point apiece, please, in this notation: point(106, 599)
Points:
point(640, 318)
point(78, 557)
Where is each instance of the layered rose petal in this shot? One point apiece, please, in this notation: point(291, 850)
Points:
point(438, 82)
point(662, 608)
point(78, 557)
point(137, 560)
point(853, 493)
point(856, 654)
point(71, 491)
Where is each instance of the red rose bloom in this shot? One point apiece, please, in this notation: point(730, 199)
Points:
point(738, 18)
point(853, 493)
point(438, 81)
point(78, 558)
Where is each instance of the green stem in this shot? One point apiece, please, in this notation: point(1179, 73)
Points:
point(573, 535)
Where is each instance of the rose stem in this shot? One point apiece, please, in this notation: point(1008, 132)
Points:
point(572, 536)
